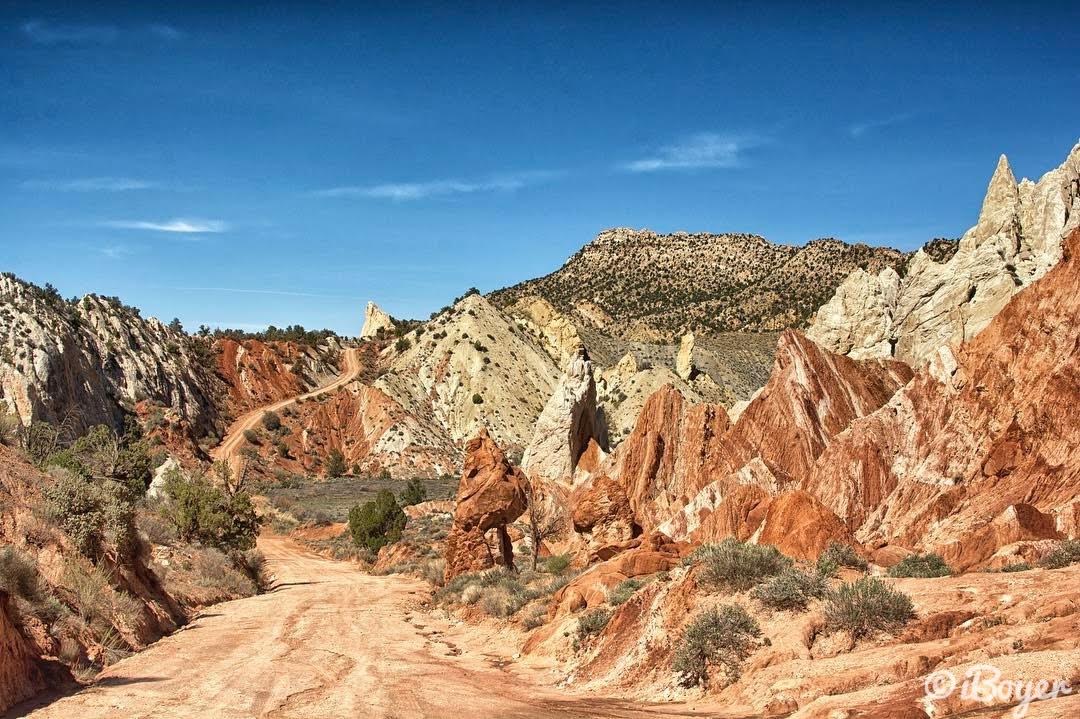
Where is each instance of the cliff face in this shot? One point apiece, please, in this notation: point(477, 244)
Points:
point(258, 373)
point(983, 431)
point(677, 450)
point(89, 361)
point(471, 367)
point(1017, 239)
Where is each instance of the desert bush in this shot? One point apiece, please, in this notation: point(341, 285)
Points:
point(19, 575)
point(557, 564)
point(335, 464)
point(840, 555)
point(96, 602)
point(251, 436)
point(156, 528)
point(722, 637)
point(1064, 554)
point(202, 512)
point(791, 589)
point(91, 514)
point(434, 571)
point(212, 569)
point(536, 617)
point(737, 566)
point(253, 565)
point(414, 493)
point(271, 421)
point(623, 591)
point(923, 566)
point(378, 522)
point(1017, 567)
point(593, 622)
point(865, 606)
point(402, 344)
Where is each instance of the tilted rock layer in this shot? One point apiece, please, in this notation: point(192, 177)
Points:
point(1017, 239)
point(981, 430)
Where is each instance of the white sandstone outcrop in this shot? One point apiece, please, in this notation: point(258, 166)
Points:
point(374, 321)
point(569, 421)
point(1016, 240)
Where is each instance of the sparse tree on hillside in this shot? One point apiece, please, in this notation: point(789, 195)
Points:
point(414, 493)
point(335, 464)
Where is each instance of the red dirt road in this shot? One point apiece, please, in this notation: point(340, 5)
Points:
point(230, 446)
point(329, 641)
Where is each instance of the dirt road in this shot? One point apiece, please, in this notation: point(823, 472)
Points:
point(330, 642)
point(230, 446)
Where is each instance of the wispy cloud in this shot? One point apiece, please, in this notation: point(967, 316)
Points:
point(404, 191)
point(91, 184)
point(178, 225)
point(167, 32)
point(706, 150)
point(859, 129)
point(47, 33)
point(44, 32)
point(115, 252)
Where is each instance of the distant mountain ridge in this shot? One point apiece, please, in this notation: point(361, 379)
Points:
point(658, 286)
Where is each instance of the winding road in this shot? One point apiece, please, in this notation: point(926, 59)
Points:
point(329, 641)
point(229, 449)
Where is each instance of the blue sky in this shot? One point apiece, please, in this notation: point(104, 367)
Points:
point(240, 165)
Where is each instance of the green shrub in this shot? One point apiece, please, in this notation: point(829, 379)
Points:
point(840, 555)
point(623, 591)
point(1017, 567)
point(866, 606)
point(335, 464)
point(923, 566)
point(402, 344)
point(737, 566)
point(251, 436)
point(593, 622)
point(271, 421)
point(477, 399)
point(722, 637)
point(1066, 553)
point(414, 493)
point(93, 515)
point(791, 589)
point(378, 522)
point(557, 564)
point(201, 512)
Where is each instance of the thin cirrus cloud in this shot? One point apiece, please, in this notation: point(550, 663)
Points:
point(91, 184)
point(859, 129)
point(406, 191)
point(49, 33)
point(706, 150)
point(178, 225)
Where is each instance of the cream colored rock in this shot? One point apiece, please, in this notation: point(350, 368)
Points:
point(374, 321)
point(684, 358)
point(1016, 240)
point(87, 362)
point(472, 368)
point(556, 330)
point(569, 420)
